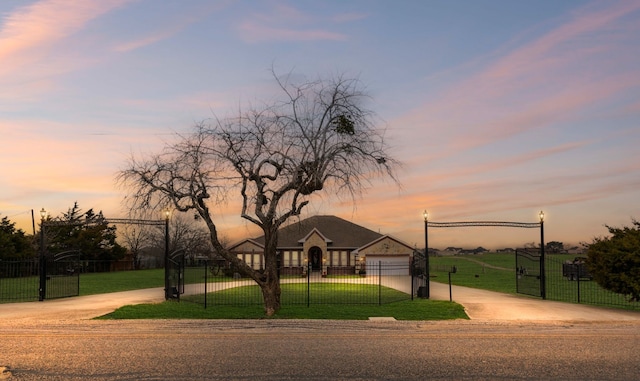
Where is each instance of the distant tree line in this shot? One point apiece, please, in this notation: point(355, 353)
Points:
point(88, 232)
point(92, 235)
point(14, 243)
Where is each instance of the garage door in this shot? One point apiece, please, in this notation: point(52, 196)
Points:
point(388, 265)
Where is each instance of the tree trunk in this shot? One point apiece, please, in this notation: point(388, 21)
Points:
point(271, 281)
point(271, 295)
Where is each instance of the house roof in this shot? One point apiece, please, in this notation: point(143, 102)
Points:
point(383, 238)
point(336, 231)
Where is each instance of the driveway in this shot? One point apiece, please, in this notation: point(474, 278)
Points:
point(480, 305)
point(494, 306)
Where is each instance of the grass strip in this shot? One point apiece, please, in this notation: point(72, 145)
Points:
point(419, 309)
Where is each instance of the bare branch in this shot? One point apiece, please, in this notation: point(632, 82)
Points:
point(319, 138)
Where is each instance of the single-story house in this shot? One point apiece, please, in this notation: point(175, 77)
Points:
point(329, 245)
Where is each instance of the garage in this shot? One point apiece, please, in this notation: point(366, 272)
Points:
point(388, 264)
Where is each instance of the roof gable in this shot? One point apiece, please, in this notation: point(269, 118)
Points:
point(315, 231)
point(385, 244)
point(247, 245)
point(341, 233)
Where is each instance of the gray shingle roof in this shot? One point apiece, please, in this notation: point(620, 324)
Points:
point(342, 233)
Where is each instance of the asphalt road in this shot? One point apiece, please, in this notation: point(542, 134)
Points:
point(507, 338)
point(320, 350)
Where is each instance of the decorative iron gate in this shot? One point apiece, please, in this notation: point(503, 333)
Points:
point(541, 290)
point(40, 278)
point(528, 272)
point(62, 275)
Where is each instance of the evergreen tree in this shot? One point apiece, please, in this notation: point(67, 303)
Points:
point(87, 232)
point(614, 262)
point(14, 244)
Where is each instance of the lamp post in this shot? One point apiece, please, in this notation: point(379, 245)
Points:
point(42, 291)
point(543, 278)
point(426, 254)
point(167, 286)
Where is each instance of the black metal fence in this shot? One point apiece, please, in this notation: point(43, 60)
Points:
point(568, 280)
point(19, 280)
point(31, 279)
point(209, 284)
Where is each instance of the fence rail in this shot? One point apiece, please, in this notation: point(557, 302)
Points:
point(568, 280)
point(19, 280)
point(204, 287)
point(206, 282)
point(39, 278)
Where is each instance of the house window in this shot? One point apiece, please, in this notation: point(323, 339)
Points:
point(295, 259)
point(256, 262)
point(343, 259)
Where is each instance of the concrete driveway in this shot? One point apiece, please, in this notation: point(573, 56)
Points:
point(480, 305)
point(495, 306)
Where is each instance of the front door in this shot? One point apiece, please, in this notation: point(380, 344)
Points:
point(315, 253)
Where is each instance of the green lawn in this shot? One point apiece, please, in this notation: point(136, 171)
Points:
point(26, 288)
point(328, 301)
point(299, 294)
point(19, 289)
point(418, 309)
point(495, 272)
point(102, 283)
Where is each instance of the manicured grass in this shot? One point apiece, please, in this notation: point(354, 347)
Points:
point(102, 283)
point(495, 272)
point(419, 309)
point(19, 289)
point(345, 299)
point(320, 301)
point(560, 288)
point(299, 294)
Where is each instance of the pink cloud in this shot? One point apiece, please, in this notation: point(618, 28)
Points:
point(559, 47)
point(553, 79)
point(36, 26)
point(30, 41)
point(176, 25)
point(285, 23)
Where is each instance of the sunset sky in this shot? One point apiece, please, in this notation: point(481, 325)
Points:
point(498, 109)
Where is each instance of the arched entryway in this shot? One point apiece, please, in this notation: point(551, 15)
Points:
point(315, 256)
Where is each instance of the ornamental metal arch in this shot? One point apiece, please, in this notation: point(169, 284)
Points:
point(168, 289)
point(56, 223)
point(509, 224)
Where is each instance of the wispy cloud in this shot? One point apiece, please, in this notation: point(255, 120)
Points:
point(177, 24)
point(286, 23)
point(30, 37)
point(30, 30)
point(552, 79)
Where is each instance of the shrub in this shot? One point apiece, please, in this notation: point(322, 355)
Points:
point(614, 262)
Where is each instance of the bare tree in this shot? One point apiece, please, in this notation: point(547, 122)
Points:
point(186, 234)
point(318, 138)
point(136, 238)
